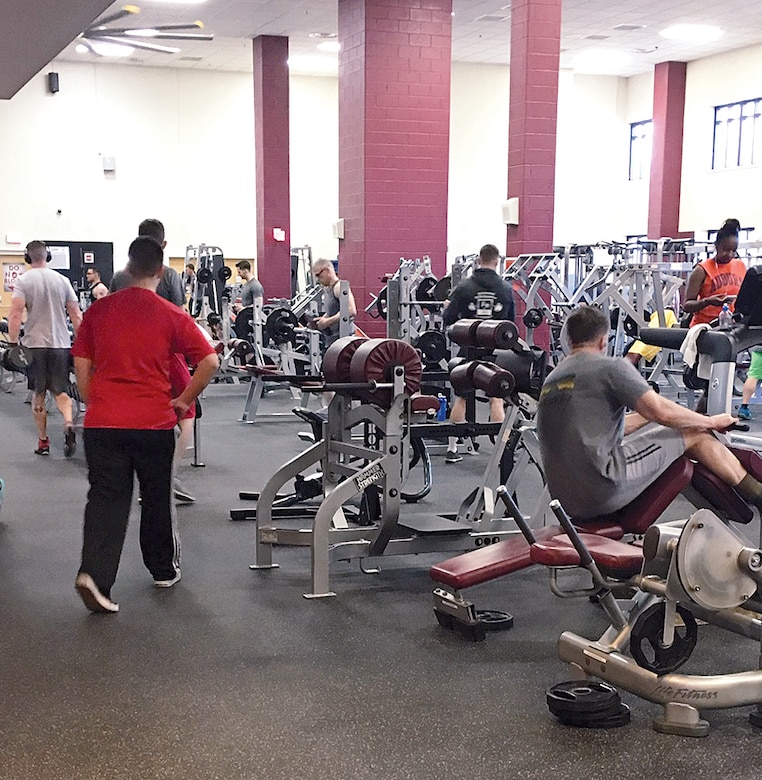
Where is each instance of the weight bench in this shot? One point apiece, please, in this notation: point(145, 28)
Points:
point(488, 563)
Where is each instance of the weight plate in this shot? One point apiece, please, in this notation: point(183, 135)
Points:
point(425, 290)
point(204, 275)
point(224, 274)
point(279, 327)
point(646, 645)
point(582, 697)
point(533, 318)
point(441, 290)
point(244, 323)
point(494, 620)
point(621, 717)
point(432, 345)
point(381, 304)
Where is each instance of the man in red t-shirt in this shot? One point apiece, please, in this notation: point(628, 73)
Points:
point(122, 358)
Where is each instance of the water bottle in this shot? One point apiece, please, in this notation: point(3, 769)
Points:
point(442, 411)
point(726, 316)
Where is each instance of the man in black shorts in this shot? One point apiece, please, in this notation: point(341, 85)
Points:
point(47, 297)
point(482, 296)
point(597, 459)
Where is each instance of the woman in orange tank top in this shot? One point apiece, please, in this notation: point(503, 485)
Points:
point(716, 281)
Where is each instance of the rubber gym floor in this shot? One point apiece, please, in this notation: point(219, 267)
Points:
point(232, 674)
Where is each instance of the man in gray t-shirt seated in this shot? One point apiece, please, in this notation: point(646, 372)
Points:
point(597, 459)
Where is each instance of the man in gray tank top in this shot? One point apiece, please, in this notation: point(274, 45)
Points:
point(597, 459)
point(329, 323)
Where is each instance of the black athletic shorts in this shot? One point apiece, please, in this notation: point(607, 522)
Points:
point(49, 370)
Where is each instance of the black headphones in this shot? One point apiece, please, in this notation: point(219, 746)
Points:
point(28, 260)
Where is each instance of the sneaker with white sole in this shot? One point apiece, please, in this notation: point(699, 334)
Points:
point(94, 600)
point(453, 457)
point(167, 583)
point(744, 413)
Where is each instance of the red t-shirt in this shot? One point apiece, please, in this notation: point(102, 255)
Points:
point(130, 338)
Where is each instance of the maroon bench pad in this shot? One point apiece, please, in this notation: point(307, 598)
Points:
point(613, 557)
point(496, 560)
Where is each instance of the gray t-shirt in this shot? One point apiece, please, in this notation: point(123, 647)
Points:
point(580, 424)
point(45, 293)
point(171, 287)
point(251, 290)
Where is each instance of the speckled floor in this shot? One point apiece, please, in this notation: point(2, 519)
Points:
point(232, 674)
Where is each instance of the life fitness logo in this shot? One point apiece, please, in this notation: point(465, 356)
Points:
point(11, 272)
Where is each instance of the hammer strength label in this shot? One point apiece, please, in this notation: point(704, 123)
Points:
point(373, 475)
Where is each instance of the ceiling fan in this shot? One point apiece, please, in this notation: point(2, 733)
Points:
point(100, 32)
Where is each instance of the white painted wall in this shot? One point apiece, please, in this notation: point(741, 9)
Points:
point(184, 149)
point(709, 197)
point(478, 157)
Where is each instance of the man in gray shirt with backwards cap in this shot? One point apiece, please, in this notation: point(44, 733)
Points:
point(598, 459)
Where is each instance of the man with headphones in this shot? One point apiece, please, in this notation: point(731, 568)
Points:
point(47, 297)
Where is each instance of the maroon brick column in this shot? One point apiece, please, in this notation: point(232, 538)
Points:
point(271, 133)
point(535, 58)
point(667, 155)
point(394, 137)
point(532, 119)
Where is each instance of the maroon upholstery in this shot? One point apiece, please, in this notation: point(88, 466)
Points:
point(424, 403)
point(375, 361)
point(720, 495)
point(490, 562)
point(613, 558)
point(646, 509)
point(495, 560)
point(338, 357)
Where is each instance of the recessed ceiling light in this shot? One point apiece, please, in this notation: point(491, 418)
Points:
point(629, 27)
point(692, 33)
point(331, 46)
point(80, 48)
point(601, 60)
point(324, 36)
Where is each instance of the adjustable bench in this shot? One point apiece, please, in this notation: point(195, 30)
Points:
point(488, 563)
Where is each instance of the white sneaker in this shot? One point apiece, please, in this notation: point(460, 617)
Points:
point(167, 583)
point(94, 600)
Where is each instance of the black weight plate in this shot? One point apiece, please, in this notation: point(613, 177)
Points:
point(425, 290)
point(621, 717)
point(533, 318)
point(279, 327)
point(224, 273)
point(646, 645)
point(581, 696)
point(432, 345)
point(381, 304)
point(204, 275)
point(441, 290)
point(494, 620)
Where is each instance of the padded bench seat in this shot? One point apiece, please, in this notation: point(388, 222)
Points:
point(496, 560)
point(614, 558)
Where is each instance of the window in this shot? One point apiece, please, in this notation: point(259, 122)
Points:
point(641, 134)
point(737, 134)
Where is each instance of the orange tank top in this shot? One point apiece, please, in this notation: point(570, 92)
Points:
point(722, 279)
